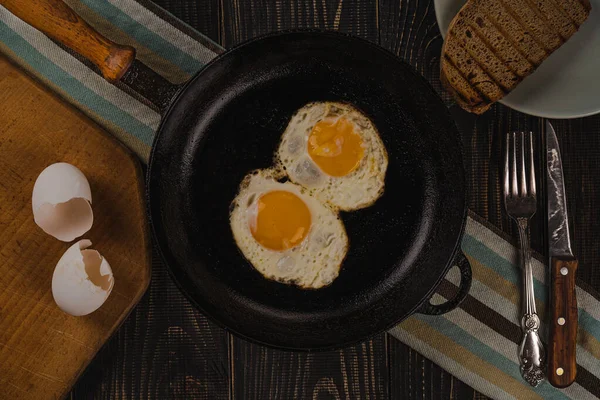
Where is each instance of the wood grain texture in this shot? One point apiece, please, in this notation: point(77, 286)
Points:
point(412, 376)
point(165, 350)
point(562, 346)
point(357, 372)
point(580, 150)
point(61, 23)
point(242, 20)
point(408, 28)
point(202, 15)
point(260, 373)
point(42, 349)
point(126, 369)
point(483, 147)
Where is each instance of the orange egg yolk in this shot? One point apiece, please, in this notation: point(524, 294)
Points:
point(282, 220)
point(335, 147)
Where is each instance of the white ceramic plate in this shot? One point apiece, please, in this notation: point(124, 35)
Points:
point(567, 84)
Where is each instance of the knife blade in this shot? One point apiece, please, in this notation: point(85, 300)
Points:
point(562, 365)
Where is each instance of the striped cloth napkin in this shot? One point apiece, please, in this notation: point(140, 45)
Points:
point(478, 342)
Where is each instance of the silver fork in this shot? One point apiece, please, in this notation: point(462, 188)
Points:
point(520, 203)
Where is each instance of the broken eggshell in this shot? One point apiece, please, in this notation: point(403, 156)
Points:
point(82, 280)
point(62, 202)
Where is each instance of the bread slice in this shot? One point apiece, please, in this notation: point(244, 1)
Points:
point(492, 45)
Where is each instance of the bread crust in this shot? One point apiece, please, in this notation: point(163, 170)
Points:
point(492, 45)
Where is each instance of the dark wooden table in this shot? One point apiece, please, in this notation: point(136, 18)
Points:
point(168, 350)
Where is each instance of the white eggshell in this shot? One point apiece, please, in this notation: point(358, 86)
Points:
point(61, 202)
point(82, 280)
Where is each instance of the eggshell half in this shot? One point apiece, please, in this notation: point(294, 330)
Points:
point(82, 280)
point(61, 202)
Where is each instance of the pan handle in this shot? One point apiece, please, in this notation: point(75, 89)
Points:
point(466, 277)
point(58, 21)
point(116, 62)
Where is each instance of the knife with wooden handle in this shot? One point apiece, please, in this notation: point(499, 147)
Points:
point(562, 365)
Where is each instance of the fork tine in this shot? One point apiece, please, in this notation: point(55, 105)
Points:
point(513, 171)
point(506, 169)
point(531, 167)
point(523, 174)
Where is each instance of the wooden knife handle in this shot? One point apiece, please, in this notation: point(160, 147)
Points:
point(562, 364)
point(61, 23)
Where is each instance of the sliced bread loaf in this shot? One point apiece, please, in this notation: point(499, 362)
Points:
point(492, 45)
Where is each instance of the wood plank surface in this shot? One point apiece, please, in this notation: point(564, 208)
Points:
point(165, 350)
point(408, 28)
point(204, 15)
point(243, 20)
point(226, 367)
point(42, 349)
point(357, 372)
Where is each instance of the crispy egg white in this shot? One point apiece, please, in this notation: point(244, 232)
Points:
point(335, 152)
point(263, 220)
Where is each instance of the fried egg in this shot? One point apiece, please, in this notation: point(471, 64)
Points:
point(335, 152)
point(286, 234)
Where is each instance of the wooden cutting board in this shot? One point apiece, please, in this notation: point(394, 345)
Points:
point(43, 350)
